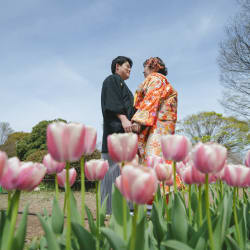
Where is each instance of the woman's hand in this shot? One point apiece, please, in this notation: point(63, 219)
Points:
point(136, 127)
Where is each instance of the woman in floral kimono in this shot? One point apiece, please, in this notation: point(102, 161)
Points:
point(156, 105)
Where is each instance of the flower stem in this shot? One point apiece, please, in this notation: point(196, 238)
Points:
point(221, 189)
point(83, 191)
point(97, 215)
point(209, 224)
point(9, 202)
point(236, 219)
point(56, 187)
point(189, 204)
point(237, 197)
point(124, 204)
point(132, 243)
point(64, 203)
point(200, 206)
point(245, 197)
point(164, 198)
point(14, 213)
point(68, 233)
point(174, 167)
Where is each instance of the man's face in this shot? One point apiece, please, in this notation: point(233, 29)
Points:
point(123, 70)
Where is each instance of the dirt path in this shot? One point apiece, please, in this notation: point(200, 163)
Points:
point(38, 201)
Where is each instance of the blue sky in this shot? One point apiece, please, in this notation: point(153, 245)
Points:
point(56, 54)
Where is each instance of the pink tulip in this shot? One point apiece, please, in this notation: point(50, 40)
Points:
point(170, 181)
point(163, 171)
point(30, 176)
point(61, 177)
point(209, 158)
point(153, 160)
point(237, 175)
point(187, 175)
point(122, 147)
point(247, 159)
point(3, 160)
point(137, 184)
point(52, 165)
point(10, 174)
point(175, 147)
point(194, 176)
point(180, 166)
point(135, 161)
point(118, 182)
point(95, 170)
point(89, 140)
point(65, 141)
point(188, 158)
point(22, 175)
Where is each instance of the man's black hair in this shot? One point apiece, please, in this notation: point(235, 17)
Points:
point(120, 60)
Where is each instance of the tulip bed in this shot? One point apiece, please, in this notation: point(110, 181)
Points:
point(211, 211)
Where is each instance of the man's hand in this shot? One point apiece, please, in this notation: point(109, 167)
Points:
point(126, 124)
point(136, 127)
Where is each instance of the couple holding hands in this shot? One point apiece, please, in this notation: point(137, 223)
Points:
point(151, 113)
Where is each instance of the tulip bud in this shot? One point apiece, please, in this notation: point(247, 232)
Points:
point(237, 175)
point(122, 147)
point(65, 141)
point(187, 175)
point(247, 159)
point(3, 160)
point(10, 174)
point(153, 160)
point(175, 147)
point(52, 165)
point(138, 184)
point(163, 171)
point(89, 140)
point(95, 170)
point(209, 158)
point(61, 177)
point(30, 176)
point(22, 175)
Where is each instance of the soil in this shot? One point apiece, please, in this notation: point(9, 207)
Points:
point(38, 201)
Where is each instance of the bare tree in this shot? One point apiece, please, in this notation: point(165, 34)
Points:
point(234, 134)
point(5, 130)
point(234, 63)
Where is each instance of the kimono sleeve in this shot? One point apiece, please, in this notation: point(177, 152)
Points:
point(112, 100)
point(148, 106)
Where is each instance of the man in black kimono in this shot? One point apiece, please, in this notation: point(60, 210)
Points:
point(117, 110)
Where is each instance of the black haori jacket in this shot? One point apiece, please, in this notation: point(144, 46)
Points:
point(116, 99)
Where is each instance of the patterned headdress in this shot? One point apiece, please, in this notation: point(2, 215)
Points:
point(154, 63)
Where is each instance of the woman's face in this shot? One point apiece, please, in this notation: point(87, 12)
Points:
point(147, 71)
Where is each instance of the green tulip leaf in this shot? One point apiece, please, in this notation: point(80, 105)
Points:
point(92, 225)
point(75, 216)
point(50, 236)
point(57, 218)
point(179, 226)
point(222, 221)
point(21, 231)
point(116, 242)
point(117, 206)
point(140, 234)
point(157, 220)
point(103, 212)
point(176, 245)
point(85, 239)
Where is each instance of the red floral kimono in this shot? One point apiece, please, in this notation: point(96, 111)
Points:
point(156, 104)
